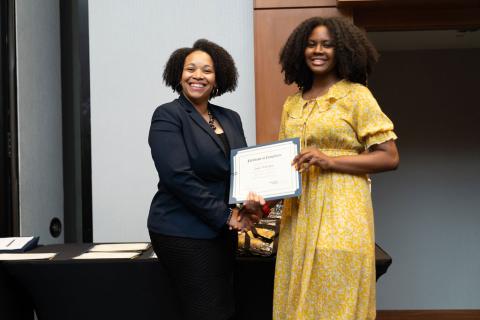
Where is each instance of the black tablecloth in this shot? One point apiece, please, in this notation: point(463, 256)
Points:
point(63, 288)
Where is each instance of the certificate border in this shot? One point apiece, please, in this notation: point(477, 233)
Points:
point(233, 153)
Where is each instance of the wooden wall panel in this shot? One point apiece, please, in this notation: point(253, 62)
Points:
point(275, 4)
point(412, 4)
point(359, 3)
point(272, 28)
point(382, 19)
point(275, 19)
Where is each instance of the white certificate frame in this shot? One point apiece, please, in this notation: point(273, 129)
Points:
point(266, 170)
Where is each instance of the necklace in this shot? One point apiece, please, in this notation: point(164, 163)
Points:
point(211, 120)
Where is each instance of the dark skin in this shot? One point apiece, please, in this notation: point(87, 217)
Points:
point(198, 81)
point(378, 158)
point(320, 58)
point(252, 208)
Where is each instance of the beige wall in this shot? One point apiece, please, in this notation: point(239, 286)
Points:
point(427, 212)
point(130, 42)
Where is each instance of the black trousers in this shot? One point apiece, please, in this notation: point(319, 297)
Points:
point(202, 273)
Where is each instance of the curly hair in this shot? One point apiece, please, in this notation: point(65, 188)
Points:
point(354, 53)
point(226, 74)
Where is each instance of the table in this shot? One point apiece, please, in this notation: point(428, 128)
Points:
point(63, 288)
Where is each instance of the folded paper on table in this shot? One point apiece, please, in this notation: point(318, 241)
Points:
point(26, 256)
point(118, 247)
point(108, 255)
point(17, 244)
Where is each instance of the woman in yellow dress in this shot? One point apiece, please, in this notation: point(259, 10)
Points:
point(326, 257)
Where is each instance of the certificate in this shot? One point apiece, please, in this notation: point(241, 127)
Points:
point(266, 170)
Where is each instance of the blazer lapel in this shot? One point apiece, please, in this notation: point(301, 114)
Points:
point(198, 119)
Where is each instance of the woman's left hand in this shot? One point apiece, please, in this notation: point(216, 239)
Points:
point(311, 156)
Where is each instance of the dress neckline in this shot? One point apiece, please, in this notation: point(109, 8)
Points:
point(336, 90)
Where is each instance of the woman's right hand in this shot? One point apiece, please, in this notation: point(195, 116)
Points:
point(239, 222)
point(252, 207)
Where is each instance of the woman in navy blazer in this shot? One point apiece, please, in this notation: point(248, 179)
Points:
point(191, 225)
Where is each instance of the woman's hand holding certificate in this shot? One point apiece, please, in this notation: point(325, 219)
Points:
point(265, 170)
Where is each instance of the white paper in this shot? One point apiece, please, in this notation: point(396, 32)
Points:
point(14, 243)
point(266, 170)
point(107, 255)
point(26, 256)
point(119, 247)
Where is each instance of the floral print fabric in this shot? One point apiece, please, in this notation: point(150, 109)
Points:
point(325, 267)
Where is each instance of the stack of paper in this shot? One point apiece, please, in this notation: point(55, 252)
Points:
point(119, 247)
point(108, 255)
point(26, 256)
point(114, 251)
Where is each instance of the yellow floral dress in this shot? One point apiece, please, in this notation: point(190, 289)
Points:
point(325, 266)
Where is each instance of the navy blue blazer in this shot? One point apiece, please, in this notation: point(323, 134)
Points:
point(193, 167)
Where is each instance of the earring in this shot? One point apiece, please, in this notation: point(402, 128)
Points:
point(214, 92)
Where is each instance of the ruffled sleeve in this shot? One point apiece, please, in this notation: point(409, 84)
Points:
point(371, 124)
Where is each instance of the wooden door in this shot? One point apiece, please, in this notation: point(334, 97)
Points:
point(272, 28)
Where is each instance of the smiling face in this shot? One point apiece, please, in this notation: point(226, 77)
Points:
point(198, 77)
point(320, 52)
